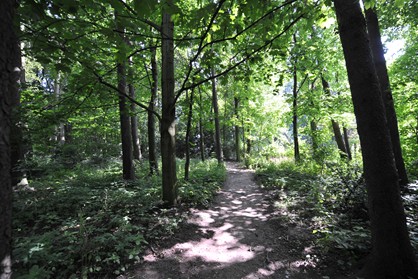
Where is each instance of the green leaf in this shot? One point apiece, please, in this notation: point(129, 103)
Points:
point(145, 7)
point(399, 3)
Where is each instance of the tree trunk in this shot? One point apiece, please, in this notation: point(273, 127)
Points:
point(16, 133)
point(61, 126)
point(392, 255)
point(249, 145)
point(295, 115)
point(218, 147)
point(237, 141)
point(168, 122)
point(188, 129)
point(201, 134)
point(382, 74)
point(335, 126)
point(125, 121)
point(347, 144)
point(314, 136)
point(152, 153)
point(136, 143)
point(339, 138)
point(8, 87)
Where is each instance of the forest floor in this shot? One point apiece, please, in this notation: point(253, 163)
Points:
point(242, 234)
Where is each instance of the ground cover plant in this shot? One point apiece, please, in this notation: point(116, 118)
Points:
point(86, 222)
point(331, 200)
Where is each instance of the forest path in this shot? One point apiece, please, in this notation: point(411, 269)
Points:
point(239, 236)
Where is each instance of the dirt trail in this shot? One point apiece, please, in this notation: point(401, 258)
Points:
point(240, 236)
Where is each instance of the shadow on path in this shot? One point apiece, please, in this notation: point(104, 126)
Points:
point(240, 236)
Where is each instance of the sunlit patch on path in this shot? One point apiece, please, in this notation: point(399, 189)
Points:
point(238, 237)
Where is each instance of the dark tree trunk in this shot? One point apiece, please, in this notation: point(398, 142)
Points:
point(188, 129)
point(201, 134)
point(8, 88)
point(347, 144)
point(125, 121)
point(16, 133)
point(226, 152)
point(392, 255)
point(246, 139)
point(237, 141)
point(335, 126)
point(218, 147)
point(136, 143)
point(339, 138)
point(382, 74)
point(314, 136)
point(295, 115)
point(168, 122)
point(152, 153)
point(249, 145)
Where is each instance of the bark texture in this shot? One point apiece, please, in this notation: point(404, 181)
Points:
point(347, 144)
point(339, 138)
point(152, 153)
point(382, 74)
point(136, 143)
point(16, 133)
point(168, 121)
point(392, 255)
point(188, 130)
point(236, 130)
point(335, 126)
point(218, 147)
point(201, 133)
point(295, 116)
point(125, 121)
point(8, 85)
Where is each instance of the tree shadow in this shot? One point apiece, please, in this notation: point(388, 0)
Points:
point(240, 236)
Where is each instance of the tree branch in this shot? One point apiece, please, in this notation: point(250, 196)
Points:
point(246, 57)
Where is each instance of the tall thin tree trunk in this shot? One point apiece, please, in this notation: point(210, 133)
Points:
point(249, 145)
point(8, 88)
point(152, 153)
point(136, 143)
point(295, 114)
point(61, 126)
point(218, 146)
point(335, 126)
point(168, 121)
point(201, 134)
point(16, 134)
point(125, 121)
point(347, 144)
point(392, 255)
point(188, 129)
point(237, 140)
point(339, 138)
point(314, 136)
point(382, 74)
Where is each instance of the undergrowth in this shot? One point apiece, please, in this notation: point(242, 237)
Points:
point(332, 199)
point(88, 223)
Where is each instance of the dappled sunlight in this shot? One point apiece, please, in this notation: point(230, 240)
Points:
point(236, 231)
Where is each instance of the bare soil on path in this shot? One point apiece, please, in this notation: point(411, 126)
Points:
point(241, 235)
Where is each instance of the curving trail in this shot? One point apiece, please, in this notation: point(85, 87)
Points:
point(240, 236)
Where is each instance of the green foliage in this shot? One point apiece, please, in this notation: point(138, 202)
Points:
point(332, 197)
point(86, 222)
point(204, 182)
